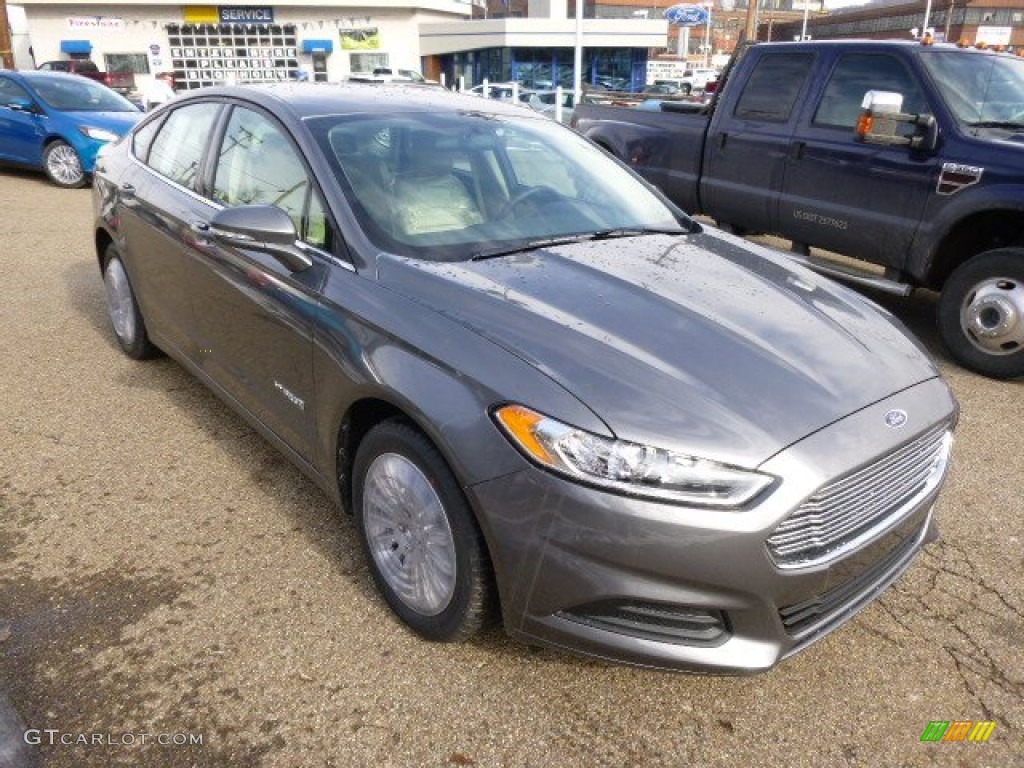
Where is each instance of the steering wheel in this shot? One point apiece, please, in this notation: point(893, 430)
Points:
point(535, 194)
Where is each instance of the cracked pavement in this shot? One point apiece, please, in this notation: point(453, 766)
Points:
point(163, 570)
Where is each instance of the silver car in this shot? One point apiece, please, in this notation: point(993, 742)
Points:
point(541, 390)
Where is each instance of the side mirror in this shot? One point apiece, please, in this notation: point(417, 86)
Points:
point(264, 228)
point(881, 114)
point(22, 105)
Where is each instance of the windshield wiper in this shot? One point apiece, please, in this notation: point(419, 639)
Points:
point(1010, 124)
point(582, 237)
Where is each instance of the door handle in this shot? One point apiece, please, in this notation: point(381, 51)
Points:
point(796, 150)
point(127, 191)
point(200, 233)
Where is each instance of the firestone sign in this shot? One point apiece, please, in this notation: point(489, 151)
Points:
point(686, 15)
point(246, 14)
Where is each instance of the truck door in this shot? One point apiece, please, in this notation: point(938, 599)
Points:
point(747, 142)
point(839, 194)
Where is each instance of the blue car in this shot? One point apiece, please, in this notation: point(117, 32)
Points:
point(58, 122)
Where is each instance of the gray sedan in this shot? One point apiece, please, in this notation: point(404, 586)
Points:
point(542, 391)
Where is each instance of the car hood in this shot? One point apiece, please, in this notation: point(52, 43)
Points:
point(699, 343)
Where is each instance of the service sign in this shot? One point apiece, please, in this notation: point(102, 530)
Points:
point(246, 14)
point(686, 15)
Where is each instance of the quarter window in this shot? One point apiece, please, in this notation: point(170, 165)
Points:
point(143, 138)
point(774, 86)
point(178, 149)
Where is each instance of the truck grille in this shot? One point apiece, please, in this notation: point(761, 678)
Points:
point(844, 514)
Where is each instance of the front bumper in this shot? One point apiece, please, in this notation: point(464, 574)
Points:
point(582, 569)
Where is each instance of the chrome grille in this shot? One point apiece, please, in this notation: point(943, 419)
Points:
point(847, 512)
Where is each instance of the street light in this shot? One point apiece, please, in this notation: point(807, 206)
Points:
point(707, 35)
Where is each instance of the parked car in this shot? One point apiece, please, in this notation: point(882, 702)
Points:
point(525, 372)
point(503, 92)
point(545, 102)
point(122, 82)
point(58, 122)
point(390, 75)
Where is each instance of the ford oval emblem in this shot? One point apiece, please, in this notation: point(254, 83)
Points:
point(895, 419)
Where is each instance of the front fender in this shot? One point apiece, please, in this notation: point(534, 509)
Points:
point(945, 215)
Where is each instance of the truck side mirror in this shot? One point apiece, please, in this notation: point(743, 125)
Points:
point(881, 114)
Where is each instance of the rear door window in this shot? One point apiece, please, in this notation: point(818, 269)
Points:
point(774, 86)
point(177, 150)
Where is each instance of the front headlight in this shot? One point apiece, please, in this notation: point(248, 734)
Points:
point(100, 134)
point(630, 468)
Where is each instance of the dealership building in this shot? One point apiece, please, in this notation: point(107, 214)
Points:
point(205, 45)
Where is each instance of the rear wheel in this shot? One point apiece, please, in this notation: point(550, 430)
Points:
point(981, 313)
point(425, 552)
point(63, 166)
point(123, 310)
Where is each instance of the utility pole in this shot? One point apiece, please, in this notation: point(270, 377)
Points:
point(750, 29)
point(6, 49)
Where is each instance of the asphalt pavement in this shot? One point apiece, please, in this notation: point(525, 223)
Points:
point(173, 593)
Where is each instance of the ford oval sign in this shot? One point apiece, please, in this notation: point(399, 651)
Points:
point(686, 15)
point(895, 419)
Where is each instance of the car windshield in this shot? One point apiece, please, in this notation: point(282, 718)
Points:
point(454, 186)
point(980, 89)
point(77, 94)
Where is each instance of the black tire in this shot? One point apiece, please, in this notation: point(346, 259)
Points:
point(732, 229)
point(981, 313)
point(462, 601)
point(63, 166)
point(686, 88)
point(123, 310)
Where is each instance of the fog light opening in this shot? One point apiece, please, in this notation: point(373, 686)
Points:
point(659, 622)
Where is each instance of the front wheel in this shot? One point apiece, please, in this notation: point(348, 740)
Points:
point(425, 552)
point(981, 313)
point(63, 166)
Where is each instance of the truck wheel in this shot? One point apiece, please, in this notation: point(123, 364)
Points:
point(981, 313)
point(62, 166)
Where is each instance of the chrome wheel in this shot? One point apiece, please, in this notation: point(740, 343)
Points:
point(408, 534)
point(992, 316)
point(63, 165)
point(120, 302)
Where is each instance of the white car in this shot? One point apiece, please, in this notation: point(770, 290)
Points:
point(502, 92)
point(696, 79)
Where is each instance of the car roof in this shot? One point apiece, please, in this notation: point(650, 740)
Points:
point(28, 75)
point(303, 100)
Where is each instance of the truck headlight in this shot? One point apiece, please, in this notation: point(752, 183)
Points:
point(100, 134)
point(629, 468)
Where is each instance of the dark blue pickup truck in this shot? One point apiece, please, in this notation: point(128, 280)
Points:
point(897, 154)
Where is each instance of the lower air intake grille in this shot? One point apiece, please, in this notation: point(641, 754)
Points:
point(796, 618)
point(661, 623)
